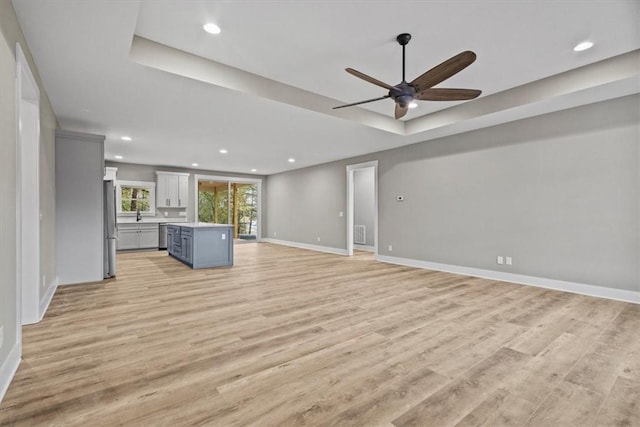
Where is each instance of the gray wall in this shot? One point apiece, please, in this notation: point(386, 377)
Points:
point(559, 193)
point(10, 33)
point(79, 207)
point(364, 208)
point(136, 172)
point(305, 204)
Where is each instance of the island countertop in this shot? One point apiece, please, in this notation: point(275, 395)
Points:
point(200, 225)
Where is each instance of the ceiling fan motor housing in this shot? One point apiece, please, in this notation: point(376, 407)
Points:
point(404, 100)
point(403, 94)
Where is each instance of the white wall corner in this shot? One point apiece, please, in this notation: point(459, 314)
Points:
point(9, 368)
point(46, 298)
point(317, 248)
point(540, 282)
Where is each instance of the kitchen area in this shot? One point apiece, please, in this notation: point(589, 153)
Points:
point(105, 208)
point(144, 208)
point(155, 214)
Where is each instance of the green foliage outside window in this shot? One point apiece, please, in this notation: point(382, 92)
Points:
point(216, 207)
point(135, 198)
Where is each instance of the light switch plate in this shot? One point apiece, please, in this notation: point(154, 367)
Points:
point(224, 237)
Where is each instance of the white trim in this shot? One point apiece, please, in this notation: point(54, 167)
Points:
point(110, 174)
point(150, 185)
point(46, 300)
point(172, 173)
point(27, 207)
point(317, 248)
point(350, 201)
point(9, 368)
point(229, 180)
point(364, 248)
point(540, 282)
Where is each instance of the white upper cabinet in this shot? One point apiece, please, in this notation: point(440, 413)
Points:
point(172, 190)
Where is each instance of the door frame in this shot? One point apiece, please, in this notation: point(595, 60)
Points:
point(229, 180)
point(27, 210)
point(350, 203)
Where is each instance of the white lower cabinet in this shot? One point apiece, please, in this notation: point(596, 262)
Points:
point(137, 236)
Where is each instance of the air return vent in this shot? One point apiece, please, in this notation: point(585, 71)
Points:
point(359, 234)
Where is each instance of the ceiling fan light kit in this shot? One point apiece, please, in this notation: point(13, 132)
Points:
point(421, 88)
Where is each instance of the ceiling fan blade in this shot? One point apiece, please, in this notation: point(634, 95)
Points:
point(361, 102)
point(441, 72)
point(401, 111)
point(368, 78)
point(438, 94)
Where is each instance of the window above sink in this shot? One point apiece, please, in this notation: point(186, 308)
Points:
point(134, 196)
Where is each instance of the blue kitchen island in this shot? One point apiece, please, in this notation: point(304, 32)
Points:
point(201, 244)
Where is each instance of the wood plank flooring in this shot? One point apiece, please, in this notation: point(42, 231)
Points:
point(290, 337)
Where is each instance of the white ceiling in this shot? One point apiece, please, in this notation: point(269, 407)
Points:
point(83, 53)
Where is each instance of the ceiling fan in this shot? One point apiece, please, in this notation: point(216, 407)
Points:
point(421, 88)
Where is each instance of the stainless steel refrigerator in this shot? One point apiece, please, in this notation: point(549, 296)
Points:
point(110, 229)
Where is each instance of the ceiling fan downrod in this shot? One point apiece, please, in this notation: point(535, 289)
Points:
point(403, 39)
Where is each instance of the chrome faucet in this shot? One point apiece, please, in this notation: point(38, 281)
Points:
point(138, 216)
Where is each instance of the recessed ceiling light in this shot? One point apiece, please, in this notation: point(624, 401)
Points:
point(291, 160)
point(194, 164)
point(583, 46)
point(223, 151)
point(211, 28)
point(413, 104)
point(117, 157)
point(126, 138)
point(254, 170)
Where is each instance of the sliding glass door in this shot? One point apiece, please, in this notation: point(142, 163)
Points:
point(230, 202)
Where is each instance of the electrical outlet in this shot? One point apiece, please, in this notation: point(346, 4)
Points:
point(390, 248)
point(341, 213)
point(500, 259)
point(224, 236)
point(275, 234)
point(166, 214)
point(508, 260)
point(183, 213)
point(318, 239)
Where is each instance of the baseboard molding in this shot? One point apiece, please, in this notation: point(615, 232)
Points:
point(558, 285)
point(317, 248)
point(364, 248)
point(46, 300)
point(9, 368)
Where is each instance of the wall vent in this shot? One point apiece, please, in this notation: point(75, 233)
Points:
point(359, 235)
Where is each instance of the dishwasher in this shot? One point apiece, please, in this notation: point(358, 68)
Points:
point(162, 236)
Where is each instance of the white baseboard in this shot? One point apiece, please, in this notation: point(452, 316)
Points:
point(541, 282)
point(9, 368)
point(46, 299)
point(317, 248)
point(364, 248)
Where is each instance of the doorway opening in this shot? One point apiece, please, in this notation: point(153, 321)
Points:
point(228, 200)
point(28, 194)
point(362, 207)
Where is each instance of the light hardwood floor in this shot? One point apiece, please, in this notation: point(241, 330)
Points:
point(290, 337)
